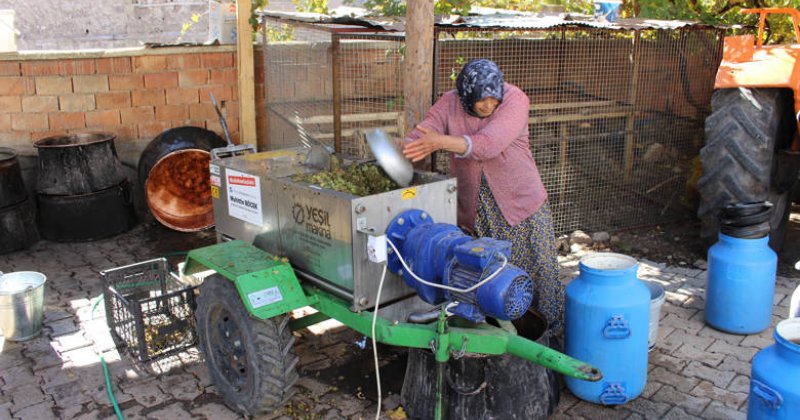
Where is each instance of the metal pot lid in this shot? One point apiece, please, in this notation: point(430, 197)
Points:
point(390, 158)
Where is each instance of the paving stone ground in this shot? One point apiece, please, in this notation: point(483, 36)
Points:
point(694, 371)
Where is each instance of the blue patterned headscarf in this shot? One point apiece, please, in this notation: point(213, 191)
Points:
point(479, 79)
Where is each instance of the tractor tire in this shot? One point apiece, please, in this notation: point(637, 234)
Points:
point(743, 133)
point(252, 362)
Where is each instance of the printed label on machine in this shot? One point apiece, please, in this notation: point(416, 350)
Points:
point(264, 297)
point(214, 169)
point(244, 197)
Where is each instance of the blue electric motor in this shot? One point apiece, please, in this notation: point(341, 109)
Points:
point(441, 253)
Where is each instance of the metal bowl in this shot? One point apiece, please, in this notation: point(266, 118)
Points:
point(390, 158)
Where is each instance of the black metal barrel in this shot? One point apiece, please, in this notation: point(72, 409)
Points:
point(174, 179)
point(484, 387)
point(78, 164)
point(82, 192)
point(12, 189)
point(18, 226)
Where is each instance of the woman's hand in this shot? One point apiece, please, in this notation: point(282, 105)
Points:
point(432, 141)
point(422, 147)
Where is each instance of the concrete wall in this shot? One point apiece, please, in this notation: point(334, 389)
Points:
point(134, 94)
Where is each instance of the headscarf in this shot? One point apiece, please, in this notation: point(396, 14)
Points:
point(479, 79)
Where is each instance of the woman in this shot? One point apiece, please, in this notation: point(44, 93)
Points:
point(484, 124)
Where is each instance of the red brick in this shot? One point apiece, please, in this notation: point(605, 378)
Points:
point(161, 80)
point(42, 68)
point(221, 93)
point(82, 66)
point(197, 77)
point(12, 86)
point(114, 65)
point(10, 68)
point(39, 103)
point(5, 123)
point(202, 111)
point(126, 132)
point(70, 103)
point(104, 118)
point(152, 129)
point(29, 121)
point(216, 60)
point(140, 114)
point(223, 77)
point(171, 113)
point(186, 61)
point(125, 81)
point(113, 100)
point(90, 84)
point(152, 97)
point(67, 120)
point(182, 96)
point(53, 85)
point(10, 104)
point(147, 63)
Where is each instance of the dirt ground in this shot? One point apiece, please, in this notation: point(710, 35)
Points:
point(679, 244)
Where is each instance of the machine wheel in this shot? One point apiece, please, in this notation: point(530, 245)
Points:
point(744, 131)
point(251, 361)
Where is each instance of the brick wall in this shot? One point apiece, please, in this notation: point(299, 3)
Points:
point(134, 94)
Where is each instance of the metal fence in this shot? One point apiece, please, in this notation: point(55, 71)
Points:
point(616, 116)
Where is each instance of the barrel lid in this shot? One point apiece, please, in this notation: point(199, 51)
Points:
point(72, 140)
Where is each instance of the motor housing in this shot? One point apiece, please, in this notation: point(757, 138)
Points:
point(442, 253)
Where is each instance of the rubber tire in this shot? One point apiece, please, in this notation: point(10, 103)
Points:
point(745, 129)
point(271, 341)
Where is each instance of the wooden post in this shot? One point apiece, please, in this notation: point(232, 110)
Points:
point(337, 94)
point(245, 66)
point(630, 122)
point(418, 71)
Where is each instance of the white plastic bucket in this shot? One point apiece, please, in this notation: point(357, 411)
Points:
point(21, 304)
point(657, 297)
point(794, 304)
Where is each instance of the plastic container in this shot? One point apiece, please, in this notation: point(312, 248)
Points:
point(607, 323)
point(741, 284)
point(607, 10)
point(775, 376)
point(21, 304)
point(657, 297)
point(148, 311)
point(794, 304)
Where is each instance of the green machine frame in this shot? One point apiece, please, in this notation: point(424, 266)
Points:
point(268, 287)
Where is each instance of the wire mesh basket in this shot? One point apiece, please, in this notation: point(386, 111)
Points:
point(147, 311)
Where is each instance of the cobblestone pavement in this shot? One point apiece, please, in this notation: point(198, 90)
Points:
point(694, 372)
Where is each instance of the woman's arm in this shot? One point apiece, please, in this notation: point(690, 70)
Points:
point(508, 123)
point(432, 141)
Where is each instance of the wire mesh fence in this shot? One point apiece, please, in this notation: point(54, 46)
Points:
point(615, 120)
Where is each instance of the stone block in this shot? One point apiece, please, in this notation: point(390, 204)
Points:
point(740, 384)
point(717, 411)
point(708, 390)
point(731, 339)
point(681, 383)
point(692, 404)
point(42, 411)
point(690, 352)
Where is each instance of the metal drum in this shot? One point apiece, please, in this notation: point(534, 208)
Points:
point(18, 226)
point(78, 164)
point(174, 179)
point(483, 387)
point(12, 189)
point(86, 217)
point(21, 304)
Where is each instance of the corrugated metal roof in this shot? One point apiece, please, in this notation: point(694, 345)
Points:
point(505, 20)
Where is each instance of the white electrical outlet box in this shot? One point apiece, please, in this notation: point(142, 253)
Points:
point(376, 248)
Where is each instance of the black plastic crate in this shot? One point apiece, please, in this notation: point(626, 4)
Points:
point(148, 311)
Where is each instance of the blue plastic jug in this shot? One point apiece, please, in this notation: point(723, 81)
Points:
point(741, 284)
point(775, 376)
point(607, 323)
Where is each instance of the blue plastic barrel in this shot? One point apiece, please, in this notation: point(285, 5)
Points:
point(775, 377)
point(607, 323)
point(741, 284)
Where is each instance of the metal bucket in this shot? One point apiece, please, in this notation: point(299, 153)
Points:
point(12, 189)
point(21, 304)
point(78, 164)
point(174, 178)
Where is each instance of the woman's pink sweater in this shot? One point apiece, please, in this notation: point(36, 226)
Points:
point(499, 149)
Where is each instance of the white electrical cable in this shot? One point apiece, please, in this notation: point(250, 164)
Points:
point(374, 342)
point(442, 286)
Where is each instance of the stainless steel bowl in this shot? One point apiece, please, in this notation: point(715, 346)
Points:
point(390, 158)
